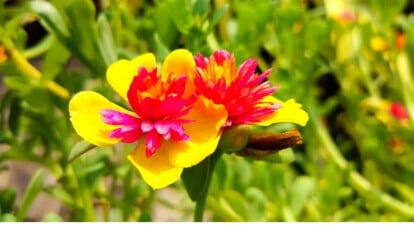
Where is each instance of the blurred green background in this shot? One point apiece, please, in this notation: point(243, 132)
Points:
point(348, 63)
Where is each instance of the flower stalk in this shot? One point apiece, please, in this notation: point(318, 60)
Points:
point(29, 71)
point(201, 200)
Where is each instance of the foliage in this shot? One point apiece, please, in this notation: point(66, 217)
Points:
point(348, 62)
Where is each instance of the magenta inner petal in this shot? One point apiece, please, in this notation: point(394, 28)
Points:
point(159, 107)
point(152, 142)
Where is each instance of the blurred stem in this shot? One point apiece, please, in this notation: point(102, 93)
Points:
point(362, 185)
point(30, 71)
point(366, 77)
point(401, 67)
point(40, 48)
point(104, 203)
point(85, 193)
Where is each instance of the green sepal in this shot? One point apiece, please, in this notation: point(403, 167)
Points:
point(197, 178)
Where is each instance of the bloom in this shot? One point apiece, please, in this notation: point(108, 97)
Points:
point(3, 55)
point(398, 111)
point(174, 128)
point(400, 40)
point(390, 113)
point(247, 96)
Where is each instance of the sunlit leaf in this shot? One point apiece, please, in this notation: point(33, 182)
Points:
point(54, 62)
point(79, 149)
point(33, 189)
point(301, 189)
point(180, 11)
point(106, 41)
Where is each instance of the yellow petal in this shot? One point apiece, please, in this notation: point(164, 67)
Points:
point(290, 111)
point(205, 130)
point(120, 74)
point(156, 171)
point(178, 63)
point(84, 109)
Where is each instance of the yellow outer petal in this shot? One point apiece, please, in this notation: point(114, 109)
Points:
point(84, 110)
point(120, 74)
point(205, 130)
point(156, 170)
point(289, 112)
point(180, 62)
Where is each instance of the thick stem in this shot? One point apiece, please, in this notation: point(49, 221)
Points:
point(31, 72)
point(201, 200)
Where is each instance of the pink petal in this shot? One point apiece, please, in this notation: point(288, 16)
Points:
point(146, 126)
point(152, 142)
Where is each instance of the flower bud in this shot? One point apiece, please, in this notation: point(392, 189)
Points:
point(234, 138)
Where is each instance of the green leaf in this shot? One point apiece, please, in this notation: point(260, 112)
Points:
point(284, 156)
point(7, 199)
point(39, 100)
point(237, 202)
point(180, 11)
point(40, 48)
point(84, 34)
point(33, 189)
point(165, 29)
point(50, 18)
point(162, 49)
point(106, 41)
point(222, 209)
point(52, 217)
point(21, 85)
point(8, 218)
point(385, 11)
point(257, 204)
point(61, 194)
point(197, 178)
point(299, 192)
point(201, 7)
point(2, 3)
point(14, 115)
point(54, 61)
point(5, 102)
point(79, 149)
point(217, 16)
point(11, 26)
point(145, 216)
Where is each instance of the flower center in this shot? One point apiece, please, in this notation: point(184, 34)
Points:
point(242, 92)
point(159, 109)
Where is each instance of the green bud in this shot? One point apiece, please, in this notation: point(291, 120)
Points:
point(234, 138)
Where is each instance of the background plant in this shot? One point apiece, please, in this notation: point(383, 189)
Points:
point(348, 62)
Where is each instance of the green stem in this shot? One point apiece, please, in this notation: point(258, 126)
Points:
point(29, 71)
point(201, 199)
point(200, 205)
point(357, 181)
point(401, 68)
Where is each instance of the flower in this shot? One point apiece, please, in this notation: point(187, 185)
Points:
point(398, 111)
point(340, 11)
point(378, 44)
point(247, 96)
point(390, 113)
point(400, 40)
point(3, 55)
point(174, 128)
